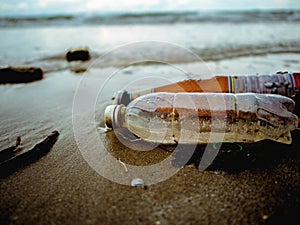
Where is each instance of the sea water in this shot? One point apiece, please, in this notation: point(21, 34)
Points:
point(212, 35)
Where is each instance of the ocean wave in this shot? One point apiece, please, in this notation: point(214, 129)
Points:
point(13, 21)
point(154, 18)
point(247, 50)
point(58, 62)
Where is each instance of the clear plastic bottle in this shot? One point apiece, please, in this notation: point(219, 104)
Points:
point(198, 118)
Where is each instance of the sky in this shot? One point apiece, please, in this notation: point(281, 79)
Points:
point(74, 6)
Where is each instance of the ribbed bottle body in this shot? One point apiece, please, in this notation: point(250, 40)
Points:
point(190, 118)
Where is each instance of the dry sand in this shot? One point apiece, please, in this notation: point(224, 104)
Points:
point(259, 184)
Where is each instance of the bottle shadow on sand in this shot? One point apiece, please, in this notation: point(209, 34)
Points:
point(227, 157)
point(237, 157)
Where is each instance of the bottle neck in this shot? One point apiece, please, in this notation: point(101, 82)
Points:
point(114, 116)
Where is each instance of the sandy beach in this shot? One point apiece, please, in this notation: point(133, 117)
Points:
point(86, 176)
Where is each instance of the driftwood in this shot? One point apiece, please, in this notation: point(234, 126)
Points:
point(20, 74)
point(7, 153)
point(13, 158)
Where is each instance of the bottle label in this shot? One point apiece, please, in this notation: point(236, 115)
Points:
point(282, 84)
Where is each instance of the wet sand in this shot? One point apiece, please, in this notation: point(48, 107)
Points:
point(259, 184)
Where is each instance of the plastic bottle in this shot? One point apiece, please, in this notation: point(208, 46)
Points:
point(191, 118)
point(286, 84)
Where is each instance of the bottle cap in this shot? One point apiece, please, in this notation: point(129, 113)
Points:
point(114, 115)
point(121, 97)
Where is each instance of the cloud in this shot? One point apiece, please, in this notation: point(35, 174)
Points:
point(5, 6)
point(191, 4)
point(118, 5)
point(136, 5)
point(61, 6)
point(46, 3)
